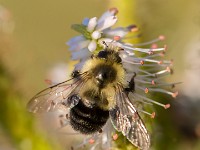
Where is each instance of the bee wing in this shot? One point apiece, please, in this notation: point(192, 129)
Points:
point(126, 119)
point(56, 97)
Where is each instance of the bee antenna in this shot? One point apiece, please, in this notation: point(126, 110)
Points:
point(111, 46)
point(105, 44)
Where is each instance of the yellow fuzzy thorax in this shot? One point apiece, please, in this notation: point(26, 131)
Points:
point(109, 91)
point(92, 63)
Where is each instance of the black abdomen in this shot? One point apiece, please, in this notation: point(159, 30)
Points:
point(87, 120)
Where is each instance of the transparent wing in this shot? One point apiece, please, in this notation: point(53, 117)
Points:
point(126, 119)
point(57, 96)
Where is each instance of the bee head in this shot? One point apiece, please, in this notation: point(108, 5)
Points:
point(109, 55)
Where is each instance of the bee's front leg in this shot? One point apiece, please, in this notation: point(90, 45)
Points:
point(72, 101)
point(131, 85)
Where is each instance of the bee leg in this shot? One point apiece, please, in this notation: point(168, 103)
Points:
point(131, 87)
point(72, 101)
point(92, 56)
point(114, 113)
point(75, 73)
point(64, 120)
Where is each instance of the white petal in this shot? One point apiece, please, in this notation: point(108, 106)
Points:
point(85, 21)
point(96, 35)
point(82, 53)
point(58, 73)
point(92, 46)
point(130, 68)
point(108, 22)
point(123, 55)
point(108, 13)
point(130, 53)
point(121, 32)
point(80, 64)
point(79, 45)
point(92, 24)
point(75, 40)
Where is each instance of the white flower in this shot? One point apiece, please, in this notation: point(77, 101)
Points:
point(94, 31)
point(146, 63)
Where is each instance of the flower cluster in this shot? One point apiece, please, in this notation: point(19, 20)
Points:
point(93, 32)
point(146, 63)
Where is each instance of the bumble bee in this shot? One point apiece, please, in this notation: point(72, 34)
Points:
point(95, 94)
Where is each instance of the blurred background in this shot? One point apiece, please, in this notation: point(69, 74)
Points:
point(32, 49)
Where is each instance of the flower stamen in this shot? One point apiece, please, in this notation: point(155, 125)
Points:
point(132, 28)
point(160, 38)
point(152, 115)
point(115, 136)
point(114, 11)
point(91, 141)
point(150, 100)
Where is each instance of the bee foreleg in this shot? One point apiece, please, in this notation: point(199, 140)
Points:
point(72, 101)
point(131, 85)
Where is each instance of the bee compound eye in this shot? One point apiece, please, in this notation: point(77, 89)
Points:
point(102, 54)
point(75, 73)
point(102, 76)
